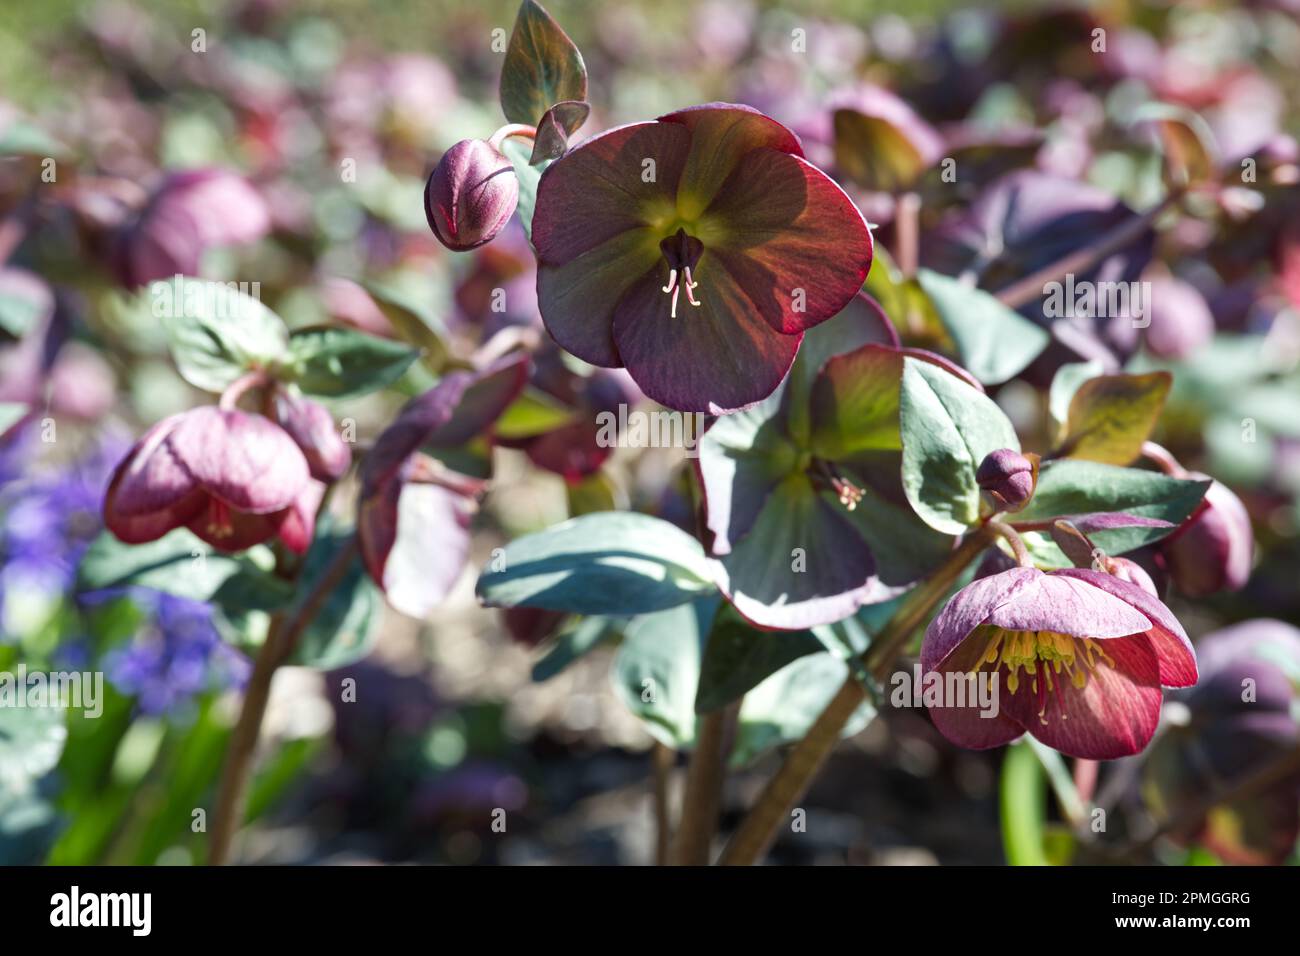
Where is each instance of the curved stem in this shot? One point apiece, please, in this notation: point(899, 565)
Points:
point(521, 130)
point(1163, 459)
point(1012, 538)
point(758, 830)
point(1029, 288)
point(236, 389)
point(281, 638)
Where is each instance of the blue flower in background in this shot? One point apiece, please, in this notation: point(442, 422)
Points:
point(48, 516)
point(176, 654)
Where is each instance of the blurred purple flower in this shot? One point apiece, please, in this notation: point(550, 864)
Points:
point(47, 519)
point(176, 655)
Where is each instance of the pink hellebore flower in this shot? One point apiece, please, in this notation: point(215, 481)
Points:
point(1078, 656)
point(233, 478)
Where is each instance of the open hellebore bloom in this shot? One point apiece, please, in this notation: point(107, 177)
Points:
point(233, 478)
point(1079, 658)
point(803, 493)
point(694, 250)
point(471, 195)
point(414, 511)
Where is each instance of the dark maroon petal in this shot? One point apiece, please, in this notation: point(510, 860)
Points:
point(966, 726)
point(1114, 715)
point(299, 526)
point(151, 492)
point(721, 136)
point(311, 427)
point(969, 608)
point(717, 358)
point(460, 407)
point(791, 238)
point(150, 477)
point(605, 187)
point(1213, 550)
point(1168, 640)
point(595, 229)
point(246, 460)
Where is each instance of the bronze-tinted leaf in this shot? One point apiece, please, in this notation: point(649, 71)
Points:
point(543, 67)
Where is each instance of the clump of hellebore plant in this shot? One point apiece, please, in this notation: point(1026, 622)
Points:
point(695, 251)
point(1078, 658)
point(471, 194)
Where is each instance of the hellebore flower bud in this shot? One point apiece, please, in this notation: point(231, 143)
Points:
point(1007, 478)
point(470, 195)
point(311, 427)
point(1213, 549)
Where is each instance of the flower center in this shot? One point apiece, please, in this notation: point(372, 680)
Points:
point(219, 523)
point(681, 252)
point(1043, 655)
point(826, 475)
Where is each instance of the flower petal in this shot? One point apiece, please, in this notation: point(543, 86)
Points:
point(414, 540)
point(246, 460)
point(791, 238)
point(761, 576)
point(717, 358)
point(1114, 715)
point(151, 491)
point(969, 608)
point(579, 299)
point(721, 134)
point(299, 525)
point(605, 187)
point(1065, 605)
point(1168, 639)
point(968, 726)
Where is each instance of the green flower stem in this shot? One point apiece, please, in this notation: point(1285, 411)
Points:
point(758, 830)
point(281, 639)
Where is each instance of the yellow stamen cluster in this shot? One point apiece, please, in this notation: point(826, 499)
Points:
point(1042, 654)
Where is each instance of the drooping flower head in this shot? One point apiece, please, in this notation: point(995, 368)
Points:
point(414, 511)
point(1079, 658)
point(231, 477)
point(695, 250)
